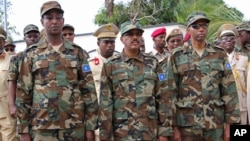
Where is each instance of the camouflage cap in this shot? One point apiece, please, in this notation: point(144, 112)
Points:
point(49, 5)
point(3, 33)
point(68, 26)
point(30, 27)
point(195, 16)
point(173, 32)
point(243, 26)
point(227, 29)
point(106, 31)
point(127, 26)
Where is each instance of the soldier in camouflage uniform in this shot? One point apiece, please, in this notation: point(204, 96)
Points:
point(31, 36)
point(56, 97)
point(133, 100)
point(203, 87)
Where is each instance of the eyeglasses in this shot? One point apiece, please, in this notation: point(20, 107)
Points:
point(198, 26)
point(132, 34)
point(228, 38)
point(58, 18)
point(9, 49)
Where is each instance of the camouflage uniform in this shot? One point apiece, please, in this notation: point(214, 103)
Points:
point(133, 101)
point(203, 88)
point(56, 90)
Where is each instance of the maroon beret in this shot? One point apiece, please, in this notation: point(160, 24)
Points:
point(186, 37)
point(158, 31)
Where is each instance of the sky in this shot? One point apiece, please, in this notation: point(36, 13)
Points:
point(79, 13)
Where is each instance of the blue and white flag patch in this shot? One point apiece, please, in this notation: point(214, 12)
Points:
point(162, 76)
point(228, 66)
point(85, 68)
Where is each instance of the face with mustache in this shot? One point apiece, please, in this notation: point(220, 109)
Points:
point(132, 39)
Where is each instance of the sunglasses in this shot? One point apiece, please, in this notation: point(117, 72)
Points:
point(9, 49)
point(198, 26)
point(70, 34)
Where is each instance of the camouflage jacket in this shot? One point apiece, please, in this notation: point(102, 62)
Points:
point(14, 67)
point(203, 88)
point(133, 100)
point(56, 89)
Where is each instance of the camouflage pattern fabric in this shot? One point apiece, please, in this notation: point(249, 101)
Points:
point(56, 89)
point(58, 135)
point(134, 104)
point(203, 88)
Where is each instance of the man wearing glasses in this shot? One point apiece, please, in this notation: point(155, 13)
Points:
point(133, 100)
point(201, 81)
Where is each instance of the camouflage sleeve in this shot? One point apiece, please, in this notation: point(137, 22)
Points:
point(172, 82)
point(229, 95)
point(164, 104)
point(106, 106)
point(24, 95)
point(13, 68)
point(88, 91)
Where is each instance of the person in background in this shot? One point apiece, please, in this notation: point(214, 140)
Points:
point(228, 34)
point(200, 79)
point(56, 97)
point(174, 39)
point(106, 36)
point(142, 47)
point(133, 100)
point(243, 40)
point(31, 36)
point(7, 123)
point(10, 47)
point(68, 32)
point(159, 50)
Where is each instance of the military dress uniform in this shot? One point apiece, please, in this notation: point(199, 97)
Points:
point(204, 91)
point(56, 92)
point(8, 124)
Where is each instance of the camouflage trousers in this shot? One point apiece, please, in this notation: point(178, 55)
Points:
point(58, 135)
point(190, 134)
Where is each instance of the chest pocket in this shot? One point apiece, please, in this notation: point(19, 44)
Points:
point(217, 69)
point(40, 69)
point(120, 83)
point(150, 79)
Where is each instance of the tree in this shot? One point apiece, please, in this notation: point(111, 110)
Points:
point(10, 29)
point(153, 12)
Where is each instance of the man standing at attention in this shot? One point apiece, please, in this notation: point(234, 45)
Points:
point(106, 36)
point(159, 50)
point(201, 81)
point(133, 100)
point(7, 123)
point(31, 36)
point(56, 97)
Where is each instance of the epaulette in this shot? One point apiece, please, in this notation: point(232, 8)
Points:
point(83, 50)
point(219, 48)
point(149, 55)
point(115, 56)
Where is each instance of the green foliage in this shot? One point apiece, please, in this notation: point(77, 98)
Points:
point(153, 12)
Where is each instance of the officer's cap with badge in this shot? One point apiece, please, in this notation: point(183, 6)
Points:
point(128, 25)
point(195, 16)
point(106, 32)
point(3, 34)
point(30, 27)
point(227, 30)
point(173, 32)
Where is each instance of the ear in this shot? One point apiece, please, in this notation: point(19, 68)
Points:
point(188, 30)
point(41, 20)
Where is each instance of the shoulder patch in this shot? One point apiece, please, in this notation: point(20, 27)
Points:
point(178, 49)
point(228, 66)
point(86, 68)
point(162, 76)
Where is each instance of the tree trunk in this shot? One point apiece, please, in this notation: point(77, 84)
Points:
point(109, 4)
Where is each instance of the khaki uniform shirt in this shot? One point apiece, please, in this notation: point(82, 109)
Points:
point(159, 56)
point(4, 66)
